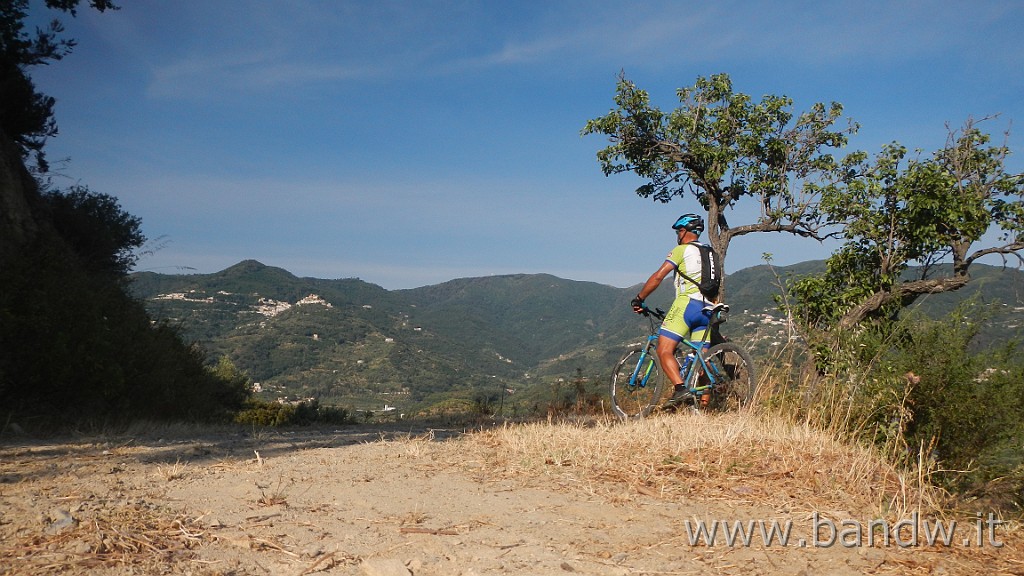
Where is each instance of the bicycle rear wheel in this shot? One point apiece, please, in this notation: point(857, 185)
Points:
point(734, 376)
point(636, 384)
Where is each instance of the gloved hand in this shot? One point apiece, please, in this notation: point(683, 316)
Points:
point(638, 304)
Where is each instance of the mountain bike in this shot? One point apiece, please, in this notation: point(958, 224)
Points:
point(721, 378)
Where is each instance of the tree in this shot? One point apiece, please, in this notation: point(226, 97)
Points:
point(914, 225)
point(76, 345)
point(898, 212)
point(26, 116)
point(720, 146)
point(104, 236)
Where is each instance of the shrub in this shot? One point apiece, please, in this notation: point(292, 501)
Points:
point(263, 413)
point(78, 347)
point(917, 389)
point(258, 412)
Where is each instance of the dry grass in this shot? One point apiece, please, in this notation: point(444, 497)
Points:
point(412, 444)
point(749, 460)
point(172, 472)
point(749, 457)
point(131, 535)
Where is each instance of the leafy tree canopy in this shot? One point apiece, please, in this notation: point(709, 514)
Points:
point(26, 116)
point(720, 146)
point(102, 234)
point(899, 211)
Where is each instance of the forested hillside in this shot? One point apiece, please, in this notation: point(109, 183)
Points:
point(350, 342)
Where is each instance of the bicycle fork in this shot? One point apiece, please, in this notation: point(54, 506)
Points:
point(642, 372)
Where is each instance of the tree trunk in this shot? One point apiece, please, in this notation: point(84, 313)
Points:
point(17, 225)
point(905, 293)
point(18, 190)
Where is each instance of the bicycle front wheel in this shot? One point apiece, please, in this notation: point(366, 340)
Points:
point(636, 384)
point(732, 371)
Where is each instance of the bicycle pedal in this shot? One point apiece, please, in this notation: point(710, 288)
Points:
point(681, 400)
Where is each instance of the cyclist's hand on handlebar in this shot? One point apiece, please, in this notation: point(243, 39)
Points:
point(638, 305)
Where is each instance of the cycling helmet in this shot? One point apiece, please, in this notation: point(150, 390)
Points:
point(690, 222)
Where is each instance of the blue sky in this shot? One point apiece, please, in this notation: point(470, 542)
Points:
point(410, 143)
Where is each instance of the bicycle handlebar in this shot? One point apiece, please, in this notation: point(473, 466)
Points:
point(657, 312)
point(714, 311)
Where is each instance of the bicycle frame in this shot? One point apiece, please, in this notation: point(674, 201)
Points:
point(697, 348)
point(642, 365)
point(639, 378)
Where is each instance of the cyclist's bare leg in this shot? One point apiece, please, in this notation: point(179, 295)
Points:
point(666, 351)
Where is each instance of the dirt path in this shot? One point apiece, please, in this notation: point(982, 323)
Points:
point(373, 502)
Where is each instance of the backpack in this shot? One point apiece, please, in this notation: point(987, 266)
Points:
point(710, 272)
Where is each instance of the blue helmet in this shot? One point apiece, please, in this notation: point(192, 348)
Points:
point(690, 222)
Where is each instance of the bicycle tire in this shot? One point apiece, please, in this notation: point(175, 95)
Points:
point(631, 400)
point(737, 389)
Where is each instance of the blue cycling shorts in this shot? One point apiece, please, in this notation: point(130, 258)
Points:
point(685, 319)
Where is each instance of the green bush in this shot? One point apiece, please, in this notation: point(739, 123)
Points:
point(77, 347)
point(311, 412)
point(917, 389)
point(969, 407)
point(258, 412)
point(263, 413)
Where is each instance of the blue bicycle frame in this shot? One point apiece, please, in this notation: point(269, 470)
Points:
point(646, 364)
point(697, 350)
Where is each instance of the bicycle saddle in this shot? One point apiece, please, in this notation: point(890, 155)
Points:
point(717, 312)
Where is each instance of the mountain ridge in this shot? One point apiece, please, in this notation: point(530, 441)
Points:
point(360, 344)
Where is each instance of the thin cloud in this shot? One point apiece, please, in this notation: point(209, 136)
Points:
point(515, 53)
point(880, 31)
point(341, 138)
point(205, 75)
point(357, 42)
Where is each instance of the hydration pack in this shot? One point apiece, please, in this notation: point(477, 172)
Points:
point(710, 272)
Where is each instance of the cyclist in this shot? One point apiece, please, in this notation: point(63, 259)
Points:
point(686, 318)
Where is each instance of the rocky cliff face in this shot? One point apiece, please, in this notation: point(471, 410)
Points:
point(18, 192)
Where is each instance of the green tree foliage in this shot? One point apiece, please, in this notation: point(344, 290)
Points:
point(919, 389)
point(102, 234)
point(914, 226)
point(226, 370)
point(76, 345)
point(898, 211)
point(26, 116)
point(720, 146)
point(256, 412)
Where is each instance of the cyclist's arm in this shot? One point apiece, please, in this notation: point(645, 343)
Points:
point(655, 280)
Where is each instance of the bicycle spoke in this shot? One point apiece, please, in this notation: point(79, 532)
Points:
point(724, 378)
point(636, 384)
point(733, 374)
